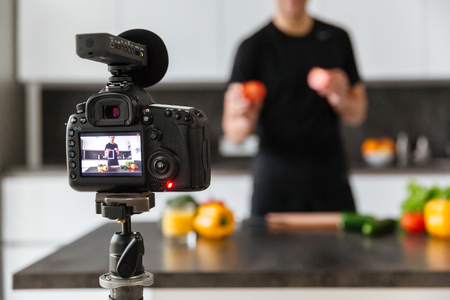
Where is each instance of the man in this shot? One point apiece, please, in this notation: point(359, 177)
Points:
point(112, 152)
point(301, 163)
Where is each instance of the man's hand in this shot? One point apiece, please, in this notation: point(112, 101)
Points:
point(349, 102)
point(239, 114)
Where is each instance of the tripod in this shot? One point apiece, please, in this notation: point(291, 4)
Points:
point(126, 278)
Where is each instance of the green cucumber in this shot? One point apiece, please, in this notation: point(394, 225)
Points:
point(379, 227)
point(354, 221)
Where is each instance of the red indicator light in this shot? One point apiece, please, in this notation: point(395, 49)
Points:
point(169, 184)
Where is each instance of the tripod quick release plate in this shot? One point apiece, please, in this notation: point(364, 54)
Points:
point(120, 206)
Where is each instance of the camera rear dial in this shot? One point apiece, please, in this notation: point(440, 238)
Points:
point(162, 165)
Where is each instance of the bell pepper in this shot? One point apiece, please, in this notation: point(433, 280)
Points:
point(437, 218)
point(213, 220)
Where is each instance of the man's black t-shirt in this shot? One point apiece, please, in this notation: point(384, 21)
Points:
point(112, 155)
point(294, 119)
point(301, 163)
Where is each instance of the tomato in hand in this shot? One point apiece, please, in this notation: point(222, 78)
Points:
point(254, 90)
point(413, 222)
point(318, 78)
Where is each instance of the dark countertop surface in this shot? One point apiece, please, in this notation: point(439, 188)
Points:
point(241, 165)
point(255, 256)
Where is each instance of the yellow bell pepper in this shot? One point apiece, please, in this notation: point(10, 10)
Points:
point(213, 220)
point(437, 218)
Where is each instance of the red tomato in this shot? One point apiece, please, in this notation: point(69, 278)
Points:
point(318, 78)
point(413, 222)
point(254, 90)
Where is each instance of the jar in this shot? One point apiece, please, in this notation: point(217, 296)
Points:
point(177, 222)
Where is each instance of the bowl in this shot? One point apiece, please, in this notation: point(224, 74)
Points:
point(379, 158)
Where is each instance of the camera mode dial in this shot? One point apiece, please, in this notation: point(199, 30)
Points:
point(162, 165)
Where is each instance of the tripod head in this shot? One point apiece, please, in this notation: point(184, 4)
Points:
point(126, 277)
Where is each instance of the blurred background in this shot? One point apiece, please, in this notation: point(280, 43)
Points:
point(401, 48)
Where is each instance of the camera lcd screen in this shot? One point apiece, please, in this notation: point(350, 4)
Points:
point(111, 154)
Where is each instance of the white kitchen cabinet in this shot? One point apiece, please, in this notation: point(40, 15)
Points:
point(381, 195)
point(57, 214)
point(393, 39)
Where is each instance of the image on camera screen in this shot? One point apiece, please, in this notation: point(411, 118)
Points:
point(111, 154)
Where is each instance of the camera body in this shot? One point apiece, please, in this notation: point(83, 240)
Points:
point(119, 140)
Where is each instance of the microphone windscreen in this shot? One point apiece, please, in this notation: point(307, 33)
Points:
point(157, 57)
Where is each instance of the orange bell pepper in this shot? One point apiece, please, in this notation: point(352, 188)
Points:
point(213, 220)
point(437, 218)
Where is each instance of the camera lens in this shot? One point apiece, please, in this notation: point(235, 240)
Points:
point(112, 112)
point(162, 165)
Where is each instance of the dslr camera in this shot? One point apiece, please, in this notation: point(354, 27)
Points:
point(119, 140)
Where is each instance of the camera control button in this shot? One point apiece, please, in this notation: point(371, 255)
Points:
point(83, 120)
point(154, 134)
point(161, 166)
point(199, 115)
point(188, 119)
point(72, 165)
point(71, 144)
point(168, 113)
point(147, 119)
point(72, 154)
point(73, 175)
point(178, 116)
point(71, 133)
point(155, 186)
point(73, 120)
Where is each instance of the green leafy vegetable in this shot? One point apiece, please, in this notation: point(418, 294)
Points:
point(181, 200)
point(418, 196)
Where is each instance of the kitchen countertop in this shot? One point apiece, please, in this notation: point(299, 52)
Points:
point(255, 256)
point(241, 166)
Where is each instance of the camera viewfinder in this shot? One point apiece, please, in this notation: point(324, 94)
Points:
point(111, 112)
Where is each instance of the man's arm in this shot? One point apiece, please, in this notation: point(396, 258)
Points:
point(239, 115)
